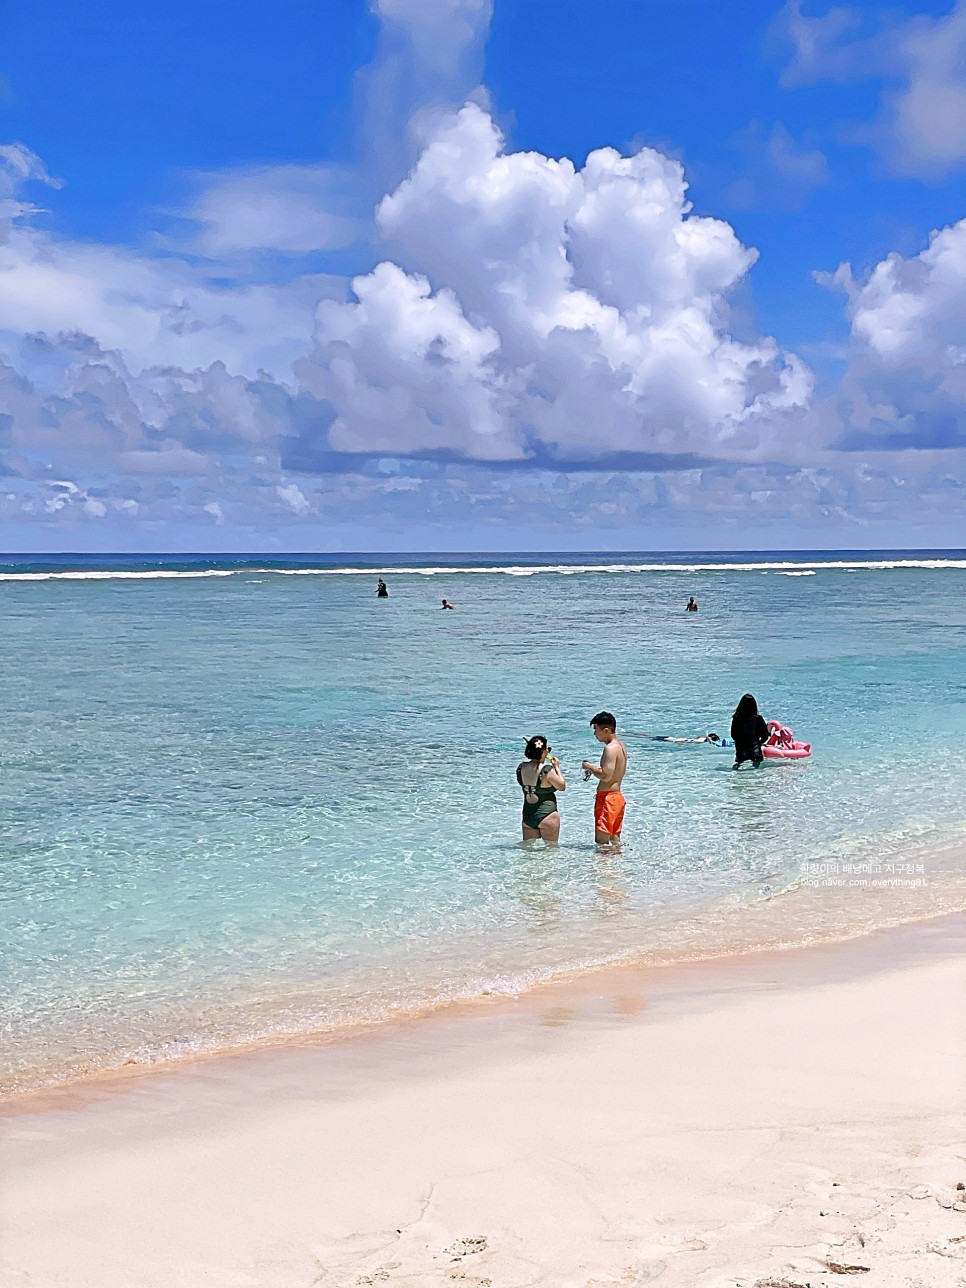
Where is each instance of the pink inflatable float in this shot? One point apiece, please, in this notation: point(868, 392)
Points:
point(783, 745)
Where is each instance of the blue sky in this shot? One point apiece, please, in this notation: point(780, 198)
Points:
point(322, 276)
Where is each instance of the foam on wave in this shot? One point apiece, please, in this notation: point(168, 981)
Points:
point(146, 574)
point(787, 568)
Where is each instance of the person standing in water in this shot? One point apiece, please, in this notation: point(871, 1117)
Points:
point(748, 732)
point(692, 605)
point(609, 801)
point(382, 590)
point(540, 777)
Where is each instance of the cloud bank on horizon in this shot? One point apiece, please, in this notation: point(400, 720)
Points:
point(536, 345)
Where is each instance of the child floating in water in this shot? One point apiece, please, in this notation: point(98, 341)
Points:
point(712, 738)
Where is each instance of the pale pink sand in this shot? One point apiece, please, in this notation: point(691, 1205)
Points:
point(784, 1119)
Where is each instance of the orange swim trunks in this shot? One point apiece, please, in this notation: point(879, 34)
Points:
point(609, 812)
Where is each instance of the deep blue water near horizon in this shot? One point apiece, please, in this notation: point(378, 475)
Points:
point(67, 561)
point(243, 797)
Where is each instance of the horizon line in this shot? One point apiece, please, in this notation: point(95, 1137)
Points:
point(341, 554)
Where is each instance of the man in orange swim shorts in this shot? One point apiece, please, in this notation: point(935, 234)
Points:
point(609, 802)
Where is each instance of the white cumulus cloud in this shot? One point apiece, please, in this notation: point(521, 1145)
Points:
point(906, 382)
point(428, 59)
point(537, 310)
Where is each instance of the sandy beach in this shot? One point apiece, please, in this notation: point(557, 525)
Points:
point(776, 1120)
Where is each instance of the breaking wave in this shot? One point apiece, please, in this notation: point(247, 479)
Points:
point(786, 568)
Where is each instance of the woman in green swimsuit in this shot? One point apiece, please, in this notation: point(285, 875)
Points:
point(541, 780)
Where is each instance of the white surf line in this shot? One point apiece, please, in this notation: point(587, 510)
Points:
point(108, 575)
point(509, 570)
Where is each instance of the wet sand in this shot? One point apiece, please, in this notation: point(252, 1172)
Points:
point(768, 1121)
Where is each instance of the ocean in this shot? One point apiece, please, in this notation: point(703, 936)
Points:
point(246, 801)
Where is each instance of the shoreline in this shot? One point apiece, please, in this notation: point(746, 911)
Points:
point(671, 985)
point(728, 931)
point(747, 1121)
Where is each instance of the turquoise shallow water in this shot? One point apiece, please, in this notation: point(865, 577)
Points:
point(249, 805)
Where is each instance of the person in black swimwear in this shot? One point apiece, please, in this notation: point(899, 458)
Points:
point(692, 605)
point(382, 590)
point(748, 730)
point(541, 778)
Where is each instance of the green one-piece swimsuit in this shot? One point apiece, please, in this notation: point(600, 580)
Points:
point(538, 802)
